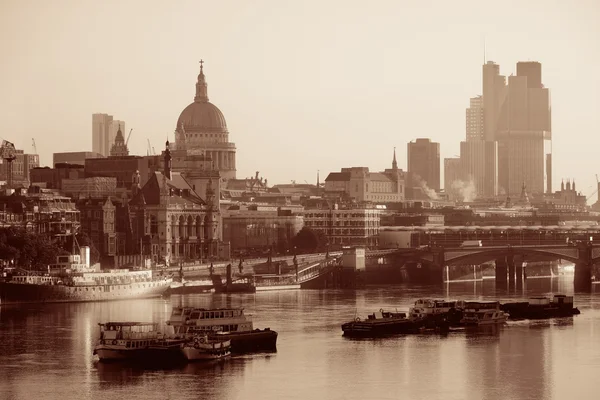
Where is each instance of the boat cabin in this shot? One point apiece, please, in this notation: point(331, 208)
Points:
point(386, 315)
point(195, 320)
point(129, 334)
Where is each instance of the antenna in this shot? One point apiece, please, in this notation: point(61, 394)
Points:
point(484, 55)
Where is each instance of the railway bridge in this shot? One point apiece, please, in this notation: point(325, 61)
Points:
point(509, 259)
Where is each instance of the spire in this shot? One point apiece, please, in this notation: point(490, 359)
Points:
point(167, 172)
point(394, 162)
point(562, 185)
point(318, 185)
point(573, 186)
point(201, 86)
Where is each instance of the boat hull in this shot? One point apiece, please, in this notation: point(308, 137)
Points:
point(206, 351)
point(380, 328)
point(252, 341)
point(527, 311)
point(157, 353)
point(19, 293)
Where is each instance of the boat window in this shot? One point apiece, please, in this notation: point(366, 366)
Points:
point(194, 315)
point(211, 315)
point(222, 314)
point(201, 315)
point(127, 344)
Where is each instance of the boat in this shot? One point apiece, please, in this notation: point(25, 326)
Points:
point(542, 307)
point(72, 279)
point(228, 323)
point(477, 313)
point(204, 347)
point(136, 341)
point(437, 311)
point(381, 323)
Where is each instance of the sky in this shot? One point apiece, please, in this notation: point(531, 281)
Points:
point(304, 85)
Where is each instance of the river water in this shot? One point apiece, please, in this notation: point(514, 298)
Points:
point(46, 350)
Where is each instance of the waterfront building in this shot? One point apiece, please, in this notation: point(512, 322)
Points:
point(39, 210)
point(260, 227)
point(99, 223)
point(201, 130)
point(345, 225)
point(170, 219)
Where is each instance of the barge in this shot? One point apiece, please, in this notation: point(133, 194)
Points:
point(542, 308)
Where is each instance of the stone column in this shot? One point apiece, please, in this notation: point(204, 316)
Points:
point(501, 271)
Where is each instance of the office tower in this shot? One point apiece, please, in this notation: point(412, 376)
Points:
point(494, 92)
point(479, 166)
point(104, 131)
point(424, 163)
point(475, 119)
point(524, 133)
point(452, 177)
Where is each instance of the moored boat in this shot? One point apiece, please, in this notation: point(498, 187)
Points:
point(477, 313)
point(204, 347)
point(226, 323)
point(72, 279)
point(542, 307)
point(381, 323)
point(135, 341)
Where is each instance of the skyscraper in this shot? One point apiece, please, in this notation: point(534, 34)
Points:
point(424, 163)
point(524, 133)
point(475, 119)
point(104, 131)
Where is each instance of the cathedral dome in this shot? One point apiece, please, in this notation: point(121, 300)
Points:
point(201, 115)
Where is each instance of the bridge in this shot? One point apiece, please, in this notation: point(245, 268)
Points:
point(508, 258)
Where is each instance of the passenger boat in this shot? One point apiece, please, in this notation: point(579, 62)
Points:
point(204, 347)
point(72, 279)
point(381, 323)
point(230, 323)
point(437, 312)
point(542, 307)
point(139, 341)
point(482, 313)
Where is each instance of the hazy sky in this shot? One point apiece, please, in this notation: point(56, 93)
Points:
point(304, 85)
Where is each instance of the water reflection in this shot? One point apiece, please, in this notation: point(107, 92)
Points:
point(46, 350)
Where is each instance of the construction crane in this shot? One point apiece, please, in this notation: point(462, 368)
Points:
point(128, 136)
point(595, 191)
point(33, 146)
point(7, 153)
point(150, 151)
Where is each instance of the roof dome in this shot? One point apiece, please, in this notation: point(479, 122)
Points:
point(201, 115)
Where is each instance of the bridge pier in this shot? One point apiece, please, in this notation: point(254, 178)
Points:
point(501, 271)
point(583, 276)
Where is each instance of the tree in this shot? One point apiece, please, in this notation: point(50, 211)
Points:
point(306, 240)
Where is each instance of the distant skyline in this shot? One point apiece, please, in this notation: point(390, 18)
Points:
point(303, 86)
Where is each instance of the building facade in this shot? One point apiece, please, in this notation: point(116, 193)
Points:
point(361, 185)
point(104, 132)
point(479, 166)
point(452, 176)
point(21, 167)
point(475, 122)
point(424, 164)
point(345, 226)
point(201, 130)
point(74, 157)
point(257, 228)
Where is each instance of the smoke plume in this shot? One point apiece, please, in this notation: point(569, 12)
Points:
point(465, 189)
point(429, 192)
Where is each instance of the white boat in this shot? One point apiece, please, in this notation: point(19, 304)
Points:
point(483, 313)
point(73, 279)
point(203, 347)
point(227, 323)
point(125, 340)
point(424, 308)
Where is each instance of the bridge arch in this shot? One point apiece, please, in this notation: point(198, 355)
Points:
point(479, 256)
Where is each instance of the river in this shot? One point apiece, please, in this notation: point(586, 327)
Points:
point(46, 350)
